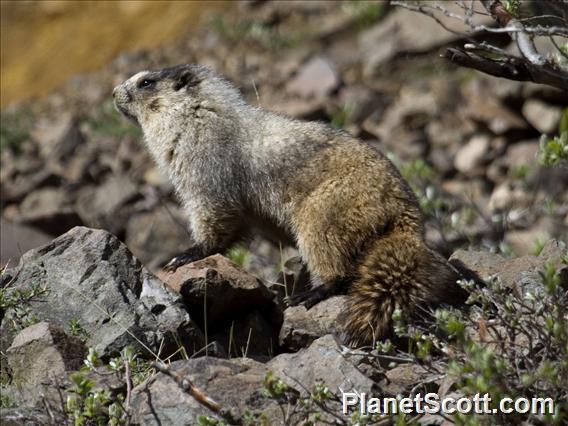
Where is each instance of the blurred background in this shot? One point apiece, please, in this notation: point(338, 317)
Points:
point(468, 143)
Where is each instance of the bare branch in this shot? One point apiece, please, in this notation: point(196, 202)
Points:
point(524, 41)
point(128, 379)
point(188, 387)
point(510, 68)
point(530, 65)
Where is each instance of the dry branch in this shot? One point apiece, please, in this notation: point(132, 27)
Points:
point(531, 65)
point(188, 387)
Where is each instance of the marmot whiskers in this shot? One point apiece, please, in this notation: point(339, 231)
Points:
point(352, 216)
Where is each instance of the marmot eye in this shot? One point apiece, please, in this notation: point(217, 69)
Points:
point(146, 83)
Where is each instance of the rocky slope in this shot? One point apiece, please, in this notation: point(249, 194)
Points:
point(468, 144)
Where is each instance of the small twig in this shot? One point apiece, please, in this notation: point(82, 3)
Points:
point(256, 92)
point(188, 387)
point(47, 406)
point(525, 43)
point(128, 379)
point(511, 68)
point(321, 405)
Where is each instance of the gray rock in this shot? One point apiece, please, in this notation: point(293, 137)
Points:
point(507, 196)
point(397, 33)
point(90, 276)
point(301, 326)
point(520, 271)
point(524, 241)
point(317, 78)
point(402, 127)
point(471, 155)
point(402, 378)
point(58, 139)
point(104, 206)
point(24, 416)
point(542, 116)
point(16, 188)
point(522, 153)
point(298, 329)
point(235, 384)
point(484, 107)
point(321, 362)
point(42, 351)
point(49, 210)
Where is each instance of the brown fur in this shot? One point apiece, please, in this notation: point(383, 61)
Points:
point(348, 210)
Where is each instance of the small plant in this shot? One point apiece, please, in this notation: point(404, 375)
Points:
point(5, 401)
point(17, 301)
point(554, 150)
point(364, 13)
point(77, 330)
point(340, 117)
point(513, 343)
point(89, 404)
point(13, 130)
point(239, 255)
point(513, 7)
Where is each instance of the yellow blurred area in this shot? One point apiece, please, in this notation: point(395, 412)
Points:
point(45, 42)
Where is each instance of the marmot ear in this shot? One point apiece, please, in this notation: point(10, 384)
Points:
point(184, 78)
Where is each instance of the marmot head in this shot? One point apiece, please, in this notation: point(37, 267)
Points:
point(171, 92)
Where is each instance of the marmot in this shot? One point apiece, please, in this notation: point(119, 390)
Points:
point(352, 216)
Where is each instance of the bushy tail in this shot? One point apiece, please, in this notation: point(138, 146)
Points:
point(398, 272)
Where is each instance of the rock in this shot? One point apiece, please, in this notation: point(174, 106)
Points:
point(90, 277)
point(542, 116)
point(521, 271)
point(103, 206)
point(317, 78)
point(25, 416)
point(358, 102)
point(327, 312)
point(482, 106)
point(521, 154)
point(524, 241)
point(16, 239)
point(321, 362)
point(49, 210)
point(58, 139)
point(43, 352)
point(397, 34)
point(227, 291)
point(235, 384)
point(402, 378)
point(19, 186)
point(301, 326)
point(157, 236)
point(471, 155)
point(507, 196)
point(298, 329)
point(402, 127)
